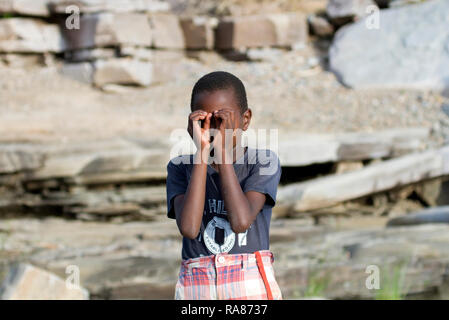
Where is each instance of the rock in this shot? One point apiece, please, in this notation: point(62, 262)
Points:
point(263, 54)
point(27, 35)
point(432, 215)
point(136, 53)
point(22, 60)
point(199, 32)
point(16, 161)
point(291, 29)
point(27, 282)
point(205, 57)
point(237, 55)
point(101, 162)
point(320, 26)
point(124, 160)
point(90, 54)
point(429, 191)
point(109, 29)
point(26, 7)
point(320, 148)
point(347, 166)
point(141, 260)
point(82, 72)
point(95, 6)
point(343, 11)
point(165, 64)
point(110, 256)
point(403, 207)
point(336, 263)
point(330, 190)
point(281, 30)
point(131, 203)
point(443, 198)
point(407, 55)
point(167, 31)
point(123, 71)
point(402, 193)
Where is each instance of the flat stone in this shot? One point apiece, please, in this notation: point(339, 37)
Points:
point(27, 282)
point(167, 31)
point(22, 60)
point(28, 35)
point(141, 260)
point(109, 29)
point(166, 64)
point(330, 190)
point(320, 148)
point(282, 30)
point(199, 32)
point(82, 72)
point(123, 71)
point(320, 26)
point(82, 55)
point(102, 162)
point(37, 8)
point(138, 53)
point(16, 161)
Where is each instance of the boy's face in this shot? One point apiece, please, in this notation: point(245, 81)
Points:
point(218, 100)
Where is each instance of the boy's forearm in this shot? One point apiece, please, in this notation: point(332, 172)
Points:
point(193, 204)
point(237, 205)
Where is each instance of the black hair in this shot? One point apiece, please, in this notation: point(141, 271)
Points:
point(220, 80)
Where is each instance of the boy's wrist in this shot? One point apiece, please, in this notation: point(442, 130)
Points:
point(223, 167)
point(202, 155)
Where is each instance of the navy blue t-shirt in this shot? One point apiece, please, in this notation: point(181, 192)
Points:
point(257, 170)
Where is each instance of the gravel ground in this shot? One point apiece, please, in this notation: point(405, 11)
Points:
point(291, 91)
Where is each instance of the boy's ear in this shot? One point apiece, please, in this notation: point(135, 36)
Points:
point(246, 119)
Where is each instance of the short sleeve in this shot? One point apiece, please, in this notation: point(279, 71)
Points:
point(264, 175)
point(176, 184)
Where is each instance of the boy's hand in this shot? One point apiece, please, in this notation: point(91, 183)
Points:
point(200, 134)
point(225, 118)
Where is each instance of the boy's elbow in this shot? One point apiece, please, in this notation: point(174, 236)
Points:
point(189, 233)
point(240, 227)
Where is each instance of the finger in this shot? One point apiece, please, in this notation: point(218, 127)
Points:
point(196, 131)
point(226, 119)
point(198, 111)
point(224, 114)
point(196, 123)
point(194, 116)
point(207, 121)
point(198, 116)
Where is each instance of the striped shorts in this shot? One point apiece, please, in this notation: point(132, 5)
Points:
point(248, 276)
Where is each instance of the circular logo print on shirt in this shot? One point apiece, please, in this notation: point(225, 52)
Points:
point(228, 237)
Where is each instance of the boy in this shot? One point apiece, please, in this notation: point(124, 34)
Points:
point(223, 208)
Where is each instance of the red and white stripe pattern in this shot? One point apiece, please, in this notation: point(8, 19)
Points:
point(228, 277)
